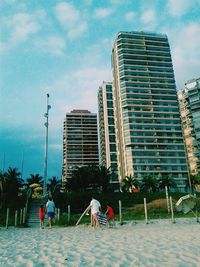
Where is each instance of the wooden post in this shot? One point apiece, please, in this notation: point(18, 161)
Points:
point(91, 219)
point(172, 210)
point(120, 212)
point(16, 218)
point(145, 211)
point(24, 215)
point(167, 199)
point(197, 218)
point(21, 214)
point(26, 207)
point(7, 218)
point(68, 213)
point(58, 214)
point(85, 211)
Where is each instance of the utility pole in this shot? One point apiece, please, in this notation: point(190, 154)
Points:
point(46, 124)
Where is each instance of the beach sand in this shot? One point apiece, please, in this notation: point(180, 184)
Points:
point(160, 243)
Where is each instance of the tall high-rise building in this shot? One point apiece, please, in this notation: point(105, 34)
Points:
point(107, 138)
point(149, 131)
point(80, 141)
point(189, 100)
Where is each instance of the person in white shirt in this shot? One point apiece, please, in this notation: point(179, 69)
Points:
point(95, 207)
point(50, 208)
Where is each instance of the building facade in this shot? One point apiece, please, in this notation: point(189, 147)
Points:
point(189, 100)
point(148, 126)
point(80, 141)
point(107, 138)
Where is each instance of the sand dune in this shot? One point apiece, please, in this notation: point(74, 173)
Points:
point(159, 243)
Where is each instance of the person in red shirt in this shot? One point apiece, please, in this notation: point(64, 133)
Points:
point(110, 215)
point(41, 214)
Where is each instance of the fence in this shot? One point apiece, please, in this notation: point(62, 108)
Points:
point(147, 211)
point(12, 217)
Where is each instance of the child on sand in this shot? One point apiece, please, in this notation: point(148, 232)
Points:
point(110, 216)
point(41, 214)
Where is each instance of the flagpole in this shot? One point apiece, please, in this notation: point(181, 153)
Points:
point(46, 115)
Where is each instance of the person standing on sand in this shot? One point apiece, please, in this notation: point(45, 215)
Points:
point(50, 207)
point(111, 215)
point(95, 207)
point(41, 214)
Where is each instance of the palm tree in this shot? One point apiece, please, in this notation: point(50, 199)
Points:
point(129, 183)
point(149, 184)
point(167, 181)
point(53, 184)
point(195, 180)
point(89, 177)
point(79, 180)
point(2, 181)
point(103, 177)
point(13, 182)
point(35, 179)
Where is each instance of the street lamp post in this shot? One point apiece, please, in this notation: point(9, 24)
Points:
point(46, 124)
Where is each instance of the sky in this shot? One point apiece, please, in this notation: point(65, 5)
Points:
point(64, 48)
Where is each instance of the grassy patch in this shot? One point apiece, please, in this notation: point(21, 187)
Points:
point(157, 209)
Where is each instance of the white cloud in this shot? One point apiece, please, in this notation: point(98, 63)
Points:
point(18, 28)
point(76, 90)
point(101, 13)
point(56, 146)
point(67, 14)
point(51, 45)
point(71, 20)
point(88, 2)
point(8, 2)
point(185, 51)
point(23, 26)
point(148, 16)
point(119, 2)
point(78, 30)
point(129, 16)
point(180, 7)
point(3, 47)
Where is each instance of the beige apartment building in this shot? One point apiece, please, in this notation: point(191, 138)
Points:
point(189, 101)
point(80, 141)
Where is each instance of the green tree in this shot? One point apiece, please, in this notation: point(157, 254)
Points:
point(79, 180)
point(13, 182)
point(149, 184)
point(129, 183)
point(166, 181)
point(2, 182)
point(53, 185)
point(35, 179)
point(103, 177)
point(89, 177)
point(195, 180)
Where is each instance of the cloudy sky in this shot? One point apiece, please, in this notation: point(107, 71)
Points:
point(64, 48)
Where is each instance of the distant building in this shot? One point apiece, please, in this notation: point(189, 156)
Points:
point(80, 141)
point(107, 138)
point(148, 126)
point(189, 99)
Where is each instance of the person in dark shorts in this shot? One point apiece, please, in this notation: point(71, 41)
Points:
point(50, 208)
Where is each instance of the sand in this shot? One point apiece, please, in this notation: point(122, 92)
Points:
point(159, 243)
